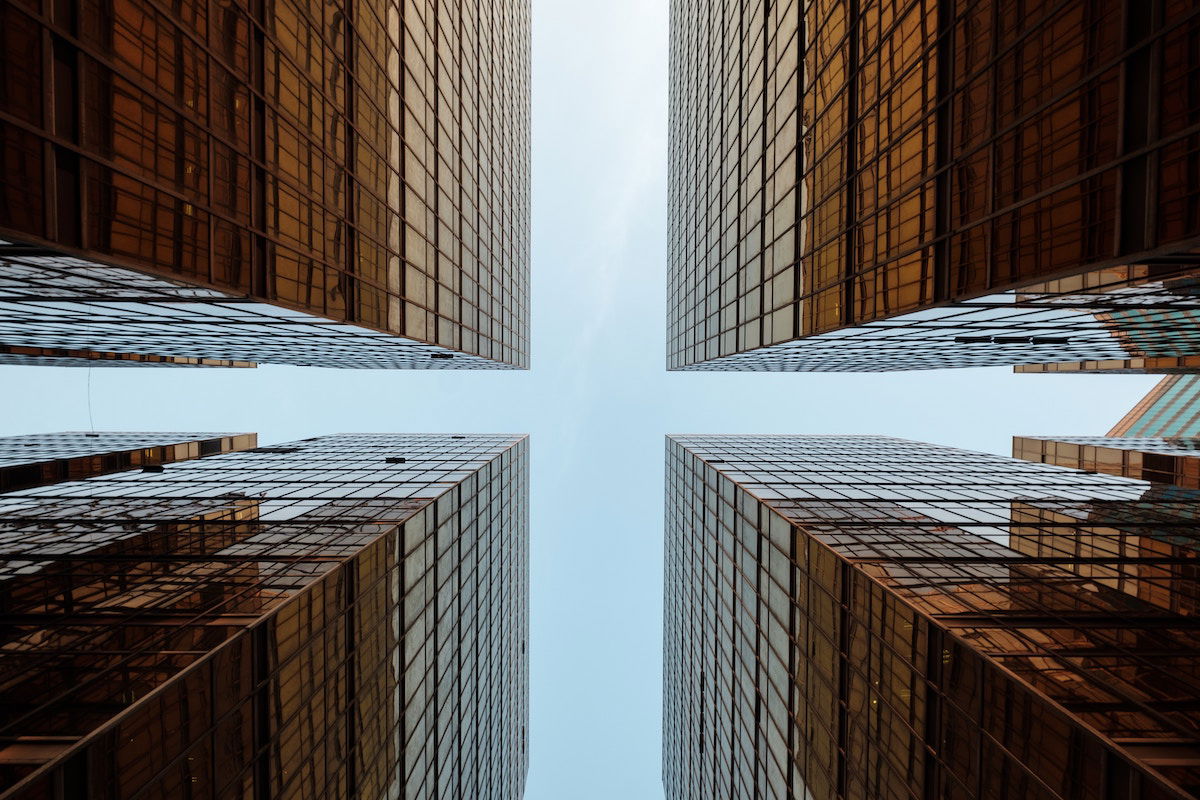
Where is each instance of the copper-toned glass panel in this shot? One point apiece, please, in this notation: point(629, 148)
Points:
point(837, 164)
point(871, 617)
point(45, 458)
point(338, 617)
point(359, 163)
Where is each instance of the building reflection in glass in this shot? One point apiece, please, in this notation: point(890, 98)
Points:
point(1172, 460)
point(869, 187)
point(319, 172)
point(59, 357)
point(45, 458)
point(339, 617)
point(1171, 409)
point(1169, 365)
point(1115, 315)
point(1156, 441)
point(871, 617)
point(56, 303)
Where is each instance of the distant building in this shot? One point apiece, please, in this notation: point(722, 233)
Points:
point(305, 183)
point(1171, 460)
point(1134, 366)
point(1157, 441)
point(338, 617)
point(889, 186)
point(865, 617)
point(1172, 408)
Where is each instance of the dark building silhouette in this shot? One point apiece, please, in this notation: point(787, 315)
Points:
point(919, 184)
point(866, 617)
point(338, 617)
point(334, 184)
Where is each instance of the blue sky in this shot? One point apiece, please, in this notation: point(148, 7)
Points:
point(597, 401)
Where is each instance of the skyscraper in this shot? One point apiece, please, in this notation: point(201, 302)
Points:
point(1172, 408)
point(1158, 440)
point(340, 184)
point(1175, 365)
point(917, 183)
point(1171, 460)
point(337, 617)
point(871, 617)
point(45, 458)
point(60, 357)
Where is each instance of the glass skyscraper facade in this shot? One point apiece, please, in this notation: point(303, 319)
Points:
point(1172, 408)
point(338, 617)
point(866, 617)
point(1173, 460)
point(1158, 440)
point(61, 357)
point(1155, 365)
point(915, 184)
point(44, 458)
point(340, 184)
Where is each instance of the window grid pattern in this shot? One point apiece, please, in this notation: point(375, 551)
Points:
point(1172, 408)
point(59, 303)
point(1131, 366)
point(1173, 460)
point(833, 164)
point(58, 357)
point(362, 161)
point(871, 617)
point(45, 458)
point(339, 617)
point(1114, 314)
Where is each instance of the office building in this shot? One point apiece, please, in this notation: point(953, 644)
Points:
point(1179, 365)
point(1157, 441)
point(915, 184)
point(866, 617)
point(1172, 409)
point(45, 458)
point(337, 617)
point(1171, 460)
point(319, 184)
point(58, 357)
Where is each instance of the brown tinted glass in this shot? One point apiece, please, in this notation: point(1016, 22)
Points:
point(363, 162)
point(834, 164)
point(338, 617)
point(874, 618)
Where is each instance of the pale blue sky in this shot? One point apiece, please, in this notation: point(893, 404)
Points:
point(597, 401)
